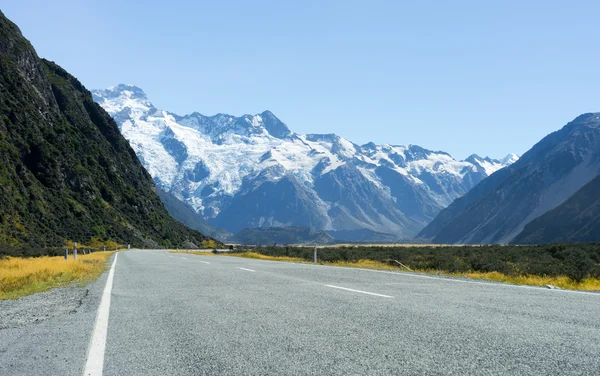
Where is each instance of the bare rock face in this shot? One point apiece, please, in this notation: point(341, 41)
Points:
point(501, 206)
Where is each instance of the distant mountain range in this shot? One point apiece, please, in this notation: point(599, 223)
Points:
point(550, 194)
point(66, 172)
point(292, 235)
point(252, 171)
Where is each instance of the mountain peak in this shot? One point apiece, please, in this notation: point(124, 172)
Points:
point(130, 91)
point(509, 159)
point(274, 126)
point(506, 161)
point(222, 163)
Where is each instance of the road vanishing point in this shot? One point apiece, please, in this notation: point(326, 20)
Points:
point(159, 313)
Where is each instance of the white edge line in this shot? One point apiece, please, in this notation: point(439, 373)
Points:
point(248, 270)
point(95, 359)
point(359, 291)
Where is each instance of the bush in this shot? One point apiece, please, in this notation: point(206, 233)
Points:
point(578, 264)
point(577, 261)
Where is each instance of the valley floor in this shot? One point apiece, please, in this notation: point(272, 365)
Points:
point(183, 314)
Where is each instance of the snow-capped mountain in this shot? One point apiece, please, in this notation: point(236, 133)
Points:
point(252, 171)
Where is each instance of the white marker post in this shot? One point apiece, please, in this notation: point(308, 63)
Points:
point(75, 251)
point(315, 254)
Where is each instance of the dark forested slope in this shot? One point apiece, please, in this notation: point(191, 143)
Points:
point(66, 173)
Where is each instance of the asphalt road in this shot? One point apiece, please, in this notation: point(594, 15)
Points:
point(177, 314)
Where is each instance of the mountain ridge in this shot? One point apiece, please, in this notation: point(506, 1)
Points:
point(277, 172)
point(500, 206)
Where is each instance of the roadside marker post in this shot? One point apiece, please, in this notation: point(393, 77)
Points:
point(66, 254)
point(75, 251)
point(315, 254)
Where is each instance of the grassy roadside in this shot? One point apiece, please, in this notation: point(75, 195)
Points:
point(26, 276)
point(564, 282)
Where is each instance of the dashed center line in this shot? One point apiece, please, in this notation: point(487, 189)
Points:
point(248, 270)
point(206, 262)
point(359, 291)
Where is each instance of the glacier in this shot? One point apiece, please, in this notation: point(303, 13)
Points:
point(253, 171)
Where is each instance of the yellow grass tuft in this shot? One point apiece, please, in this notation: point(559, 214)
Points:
point(564, 282)
point(209, 244)
point(25, 276)
point(258, 256)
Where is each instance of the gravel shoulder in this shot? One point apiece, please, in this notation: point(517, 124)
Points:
point(48, 333)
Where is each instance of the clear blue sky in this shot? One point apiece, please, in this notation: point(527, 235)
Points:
point(460, 76)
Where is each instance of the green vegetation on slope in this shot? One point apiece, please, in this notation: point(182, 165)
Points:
point(66, 173)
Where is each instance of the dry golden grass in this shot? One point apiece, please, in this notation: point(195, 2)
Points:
point(208, 253)
point(588, 284)
point(25, 276)
point(564, 282)
point(258, 256)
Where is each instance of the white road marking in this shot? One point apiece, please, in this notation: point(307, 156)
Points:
point(185, 258)
point(450, 279)
point(359, 291)
point(206, 262)
point(95, 359)
point(248, 270)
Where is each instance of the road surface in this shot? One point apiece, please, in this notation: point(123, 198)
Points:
point(178, 314)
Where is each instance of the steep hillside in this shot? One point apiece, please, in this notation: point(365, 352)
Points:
point(66, 172)
point(282, 235)
point(500, 206)
point(186, 215)
point(576, 220)
point(252, 171)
